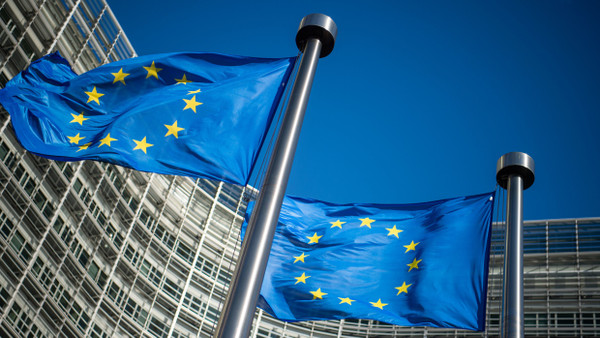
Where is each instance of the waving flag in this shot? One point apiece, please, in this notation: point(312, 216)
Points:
point(193, 114)
point(420, 264)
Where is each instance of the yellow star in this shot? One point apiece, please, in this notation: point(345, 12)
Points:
point(173, 130)
point(152, 71)
point(403, 288)
point(78, 118)
point(366, 221)
point(378, 304)
point(193, 92)
point(75, 139)
point(346, 300)
point(300, 258)
point(142, 145)
point(183, 80)
point(191, 104)
point(85, 146)
point(106, 140)
point(393, 231)
point(301, 279)
point(411, 246)
point(94, 96)
point(318, 294)
point(414, 264)
point(120, 76)
point(337, 224)
point(314, 238)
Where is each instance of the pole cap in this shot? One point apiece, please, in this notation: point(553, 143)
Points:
point(515, 163)
point(318, 26)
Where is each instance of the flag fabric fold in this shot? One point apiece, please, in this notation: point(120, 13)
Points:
point(422, 264)
point(193, 114)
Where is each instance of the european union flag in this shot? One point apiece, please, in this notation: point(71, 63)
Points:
point(420, 264)
point(193, 114)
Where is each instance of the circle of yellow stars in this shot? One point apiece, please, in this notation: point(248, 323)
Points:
point(94, 98)
point(365, 222)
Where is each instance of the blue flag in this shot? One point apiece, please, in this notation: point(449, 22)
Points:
point(420, 264)
point(192, 114)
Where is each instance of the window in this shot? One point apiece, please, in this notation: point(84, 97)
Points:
point(20, 173)
point(41, 201)
point(158, 328)
point(18, 318)
point(14, 313)
point(212, 314)
point(3, 150)
point(58, 225)
point(147, 219)
point(224, 277)
point(130, 200)
point(164, 236)
point(93, 270)
point(3, 78)
point(80, 253)
point(79, 316)
point(85, 196)
point(185, 252)
point(136, 312)
point(21, 247)
point(208, 269)
point(60, 295)
point(6, 226)
point(48, 210)
point(566, 320)
point(36, 332)
point(115, 178)
point(169, 240)
point(67, 170)
point(589, 237)
point(102, 278)
point(116, 294)
point(3, 297)
point(230, 195)
point(11, 27)
point(114, 235)
point(24, 179)
point(10, 160)
point(83, 258)
point(172, 289)
point(97, 332)
point(588, 319)
point(67, 236)
point(151, 272)
point(562, 238)
point(77, 185)
point(42, 272)
point(193, 303)
point(96, 274)
point(132, 255)
point(145, 267)
point(101, 218)
point(27, 49)
point(177, 334)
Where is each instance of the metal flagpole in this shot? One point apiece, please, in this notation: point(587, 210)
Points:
point(316, 38)
point(514, 172)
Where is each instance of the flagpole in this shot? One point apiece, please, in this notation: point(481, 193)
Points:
point(315, 38)
point(514, 172)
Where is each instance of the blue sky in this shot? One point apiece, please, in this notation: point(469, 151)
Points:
point(419, 99)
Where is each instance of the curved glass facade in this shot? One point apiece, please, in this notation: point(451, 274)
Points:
point(94, 250)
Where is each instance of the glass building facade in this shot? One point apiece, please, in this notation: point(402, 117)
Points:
point(93, 250)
